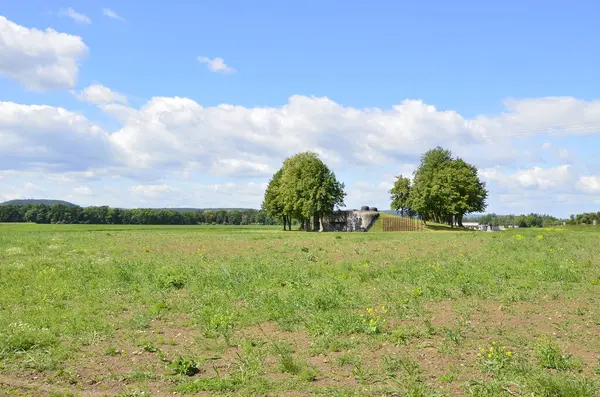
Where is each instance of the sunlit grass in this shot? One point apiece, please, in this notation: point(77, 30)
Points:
point(251, 310)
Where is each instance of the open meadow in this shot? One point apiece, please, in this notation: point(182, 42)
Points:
point(156, 310)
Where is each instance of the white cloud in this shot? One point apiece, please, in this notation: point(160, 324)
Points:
point(39, 59)
point(100, 95)
point(216, 65)
point(82, 191)
point(111, 14)
point(41, 136)
point(544, 116)
point(590, 184)
point(237, 167)
point(372, 194)
point(76, 16)
point(560, 177)
point(21, 191)
point(169, 145)
point(152, 191)
point(172, 131)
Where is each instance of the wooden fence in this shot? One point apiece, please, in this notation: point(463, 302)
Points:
point(401, 224)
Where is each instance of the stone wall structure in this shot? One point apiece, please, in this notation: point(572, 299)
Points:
point(350, 220)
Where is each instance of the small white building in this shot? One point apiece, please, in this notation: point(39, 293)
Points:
point(483, 228)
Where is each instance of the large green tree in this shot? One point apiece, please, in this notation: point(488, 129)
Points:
point(399, 195)
point(304, 189)
point(273, 202)
point(445, 189)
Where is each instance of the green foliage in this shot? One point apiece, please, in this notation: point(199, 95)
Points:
point(303, 188)
point(550, 356)
point(374, 320)
point(71, 214)
point(218, 384)
point(20, 336)
point(563, 385)
point(530, 220)
point(113, 351)
point(400, 195)
point(287, 362)
point(184, 366)
point(586, 218)
point(78, 289)
point(443, 188)
point(219, 324)
point(495, 357)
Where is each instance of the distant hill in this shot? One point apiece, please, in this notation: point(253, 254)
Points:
point(38, 201)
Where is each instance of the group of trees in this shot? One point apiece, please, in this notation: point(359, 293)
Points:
point(530, 220)
point(40, 213)
point(443, 189)
point(304, 189)
point(586, 218)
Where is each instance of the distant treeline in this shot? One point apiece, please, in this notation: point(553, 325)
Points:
point(40, 213)
point(531, 220)
point(587, 218)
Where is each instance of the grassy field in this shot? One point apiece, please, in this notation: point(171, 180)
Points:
point(140, 311)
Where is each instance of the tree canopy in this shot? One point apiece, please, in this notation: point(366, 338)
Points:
point(302, 189)
point(60, 213)
point(400, 194)
point(444, 189)
point(529, 220)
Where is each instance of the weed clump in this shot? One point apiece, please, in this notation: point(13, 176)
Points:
point(550, 356)
point(184, 366)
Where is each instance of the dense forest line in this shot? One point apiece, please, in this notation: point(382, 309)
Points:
point(536, 220)
point(60, 213)
point(529, 220)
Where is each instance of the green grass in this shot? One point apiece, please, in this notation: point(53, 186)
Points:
point(148, 310)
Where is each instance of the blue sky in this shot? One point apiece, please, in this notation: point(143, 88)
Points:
point(197, 103)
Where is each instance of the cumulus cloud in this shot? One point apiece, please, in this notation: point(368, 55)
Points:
point(100, 95)
point(34, 136)
point(174, 139)
point(171, 134)
point(533, 178)
point(111, 14)
point(216, 65)
point(76, 16)
point(172, 130)
point(39, 59)
point(237, 167)
point(590, 184)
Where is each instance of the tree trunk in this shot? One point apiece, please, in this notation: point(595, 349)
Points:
point(316, 223)
point(322, 224)
point(284, 222)
point(307, 225)
point(460, 220)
